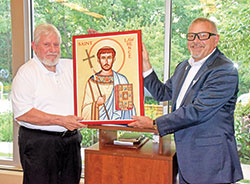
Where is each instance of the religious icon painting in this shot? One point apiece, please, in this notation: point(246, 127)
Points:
point(108, 82)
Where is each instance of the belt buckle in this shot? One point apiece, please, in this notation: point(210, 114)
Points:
point(64, 133)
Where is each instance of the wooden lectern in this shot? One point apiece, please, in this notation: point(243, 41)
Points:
point(152, 163)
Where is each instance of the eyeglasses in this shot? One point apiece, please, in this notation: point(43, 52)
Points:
point(200, 35)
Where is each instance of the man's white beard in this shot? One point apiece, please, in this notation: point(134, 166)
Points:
point(195, 55)
point(49, 62)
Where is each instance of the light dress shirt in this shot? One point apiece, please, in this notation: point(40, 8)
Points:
point(36, 87)
point(195, 66)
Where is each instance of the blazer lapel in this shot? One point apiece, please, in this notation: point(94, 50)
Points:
point(184, 73)
point(201, 71)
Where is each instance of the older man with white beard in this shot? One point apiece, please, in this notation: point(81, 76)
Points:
point(42, 98)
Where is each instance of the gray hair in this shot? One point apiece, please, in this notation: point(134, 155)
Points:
point(45, 29)
point(202, 19)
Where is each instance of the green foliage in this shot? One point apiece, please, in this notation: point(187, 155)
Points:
point(6, 127)
point(89, 137)
point(234, 26)
point(242, 131)
point(5, 37)
point(151, 112)
point(244, 181)
point(150, 100)
point(182, 16)
point(119, 15)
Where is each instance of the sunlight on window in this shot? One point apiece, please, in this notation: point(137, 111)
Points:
point(6, 122)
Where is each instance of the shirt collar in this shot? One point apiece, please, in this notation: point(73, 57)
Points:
point(200, 62)
point(37, 60)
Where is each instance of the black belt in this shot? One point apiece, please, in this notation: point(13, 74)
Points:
point(67, 133)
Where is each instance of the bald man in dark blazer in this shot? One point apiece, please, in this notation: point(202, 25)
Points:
point(203, 91)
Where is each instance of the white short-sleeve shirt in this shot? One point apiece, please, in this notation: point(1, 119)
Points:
point(36, 87)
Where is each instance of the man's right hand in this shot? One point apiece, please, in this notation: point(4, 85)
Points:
point(146, 64)
point(71, 122)
point(37, 117)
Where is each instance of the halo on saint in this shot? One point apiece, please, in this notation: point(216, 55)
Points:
point(119, 58)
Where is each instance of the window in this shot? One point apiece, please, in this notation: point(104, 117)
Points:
point(13, 30)
point(6, 122)
point(75, 17)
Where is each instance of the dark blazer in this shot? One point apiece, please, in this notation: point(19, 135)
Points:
point(204, 123)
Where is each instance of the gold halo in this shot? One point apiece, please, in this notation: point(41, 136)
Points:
point(120, 53)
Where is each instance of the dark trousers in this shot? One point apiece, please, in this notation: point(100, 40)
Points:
point(49, 159)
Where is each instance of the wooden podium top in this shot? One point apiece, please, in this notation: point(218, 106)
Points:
point(107, 134)
point(149, 149)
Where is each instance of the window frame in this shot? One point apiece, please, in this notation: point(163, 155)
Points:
point(21, 49)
